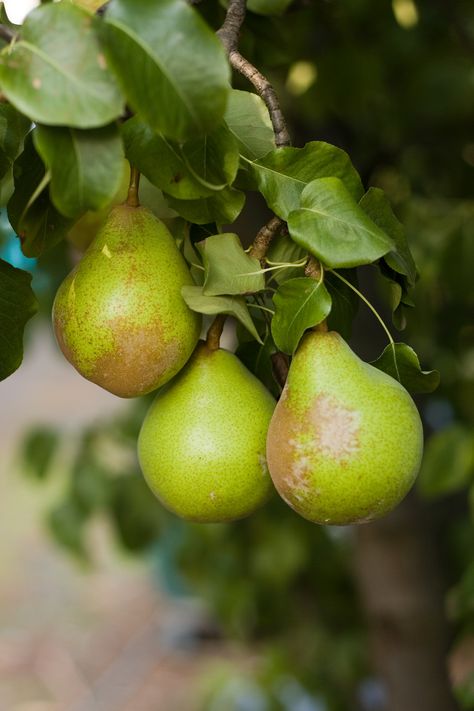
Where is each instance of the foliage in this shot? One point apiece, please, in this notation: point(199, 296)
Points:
point(273, 579)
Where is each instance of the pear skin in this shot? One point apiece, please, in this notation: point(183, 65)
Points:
point(345, 442)
point(202, 444)
point(119, 316)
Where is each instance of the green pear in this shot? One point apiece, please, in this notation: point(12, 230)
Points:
point(202, 444)
point(119, 316)
point(346, 441)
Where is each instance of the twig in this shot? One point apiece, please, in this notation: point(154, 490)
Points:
point(264, 237)
point(280, 367)
point(229, 36)
point(267, 93)
point(230, 31)
point(6, 33)
point(313, 268)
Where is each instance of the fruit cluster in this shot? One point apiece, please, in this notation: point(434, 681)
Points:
point(343, 445)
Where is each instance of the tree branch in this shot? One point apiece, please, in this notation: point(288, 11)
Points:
point(6, 33)
point(266, 91)
point(229, 35)
point(230, 31)
point(264, 237)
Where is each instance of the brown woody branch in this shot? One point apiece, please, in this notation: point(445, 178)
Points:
point(266, 91)
point(6, 33)
point(264, 237)
point(229, 35)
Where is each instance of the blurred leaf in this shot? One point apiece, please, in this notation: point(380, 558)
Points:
point(448, 462)
point(231, 305)
point(17, 305)
point(268, 7)
point(136, 513)
point(90, 488)
point(166, 48)
point(462, 597)
point(332, 226)
point(229, 270)
point(299, 304)
point(32, 215)
point(56, 73)
point(282, 175)
point(464, 692)
point(248, 119)
point(85, 165)
point(66, 523)
point(401, 362)
point(222, 208)
point(37, 451)
point(13, 129)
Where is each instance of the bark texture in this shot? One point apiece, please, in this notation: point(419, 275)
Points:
point(400, 588)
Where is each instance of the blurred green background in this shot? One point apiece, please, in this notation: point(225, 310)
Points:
point(110, 602)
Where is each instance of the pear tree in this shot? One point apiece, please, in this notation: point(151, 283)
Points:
point(125, 129)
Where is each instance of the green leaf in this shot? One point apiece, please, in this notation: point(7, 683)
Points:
point(334, 228)
point(249, 121)
point(56, 72)
point(17, 305)
point(282, 175)
point(222, 208)
point(283, 249)
point(258, 359)
point(448, 462)
point(268, 7)
point(172, 67)
point(13, 129)
point(345, 302)
point(401, 362)
point(398, 294)
point(213, 159)
point(86, 166)
point(231, 305)
point(377, 206)
point(299, 304)
point(32, 215)
point(161, 161)
point(196, 169)
point(229, 270)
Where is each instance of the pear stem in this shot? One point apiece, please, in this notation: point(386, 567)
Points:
point(215, 332)
point(132, 197)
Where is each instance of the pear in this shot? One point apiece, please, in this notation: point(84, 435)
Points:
point(202, 444)
point(345, 441)
point(119, 316)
